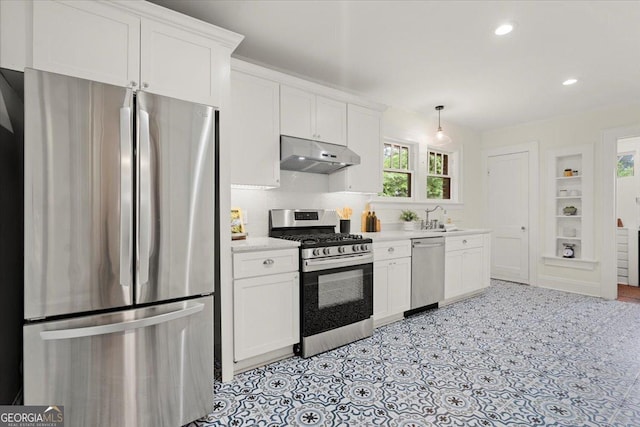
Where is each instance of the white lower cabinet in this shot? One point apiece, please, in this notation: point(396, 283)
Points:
point(391, 281)
point(266, 303)
point(266, 314)
point(466, 267)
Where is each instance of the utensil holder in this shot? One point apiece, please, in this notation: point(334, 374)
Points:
point(345, 226)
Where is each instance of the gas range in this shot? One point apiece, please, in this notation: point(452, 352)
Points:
point(336, 280)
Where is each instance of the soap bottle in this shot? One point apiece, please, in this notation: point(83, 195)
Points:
point(363, 222)
point(374, 222)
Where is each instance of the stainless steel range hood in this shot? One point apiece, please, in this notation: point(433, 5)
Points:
point(305, 155)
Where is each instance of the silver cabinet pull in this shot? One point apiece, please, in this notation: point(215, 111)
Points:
point(133, 84)
point(523, 228)
point(464, 241)
point(268, 261)
point(390, 250)
point(145, 85)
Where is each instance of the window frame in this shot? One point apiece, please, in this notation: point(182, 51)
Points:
point(450, 166)
point(410, 170)
point(419, 160)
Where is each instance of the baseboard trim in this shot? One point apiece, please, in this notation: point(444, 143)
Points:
point(570, 285)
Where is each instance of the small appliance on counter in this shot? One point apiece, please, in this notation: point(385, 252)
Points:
point(336, 280)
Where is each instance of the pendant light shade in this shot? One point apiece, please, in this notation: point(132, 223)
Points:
point(441, 137)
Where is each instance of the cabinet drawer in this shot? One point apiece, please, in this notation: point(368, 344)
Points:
point(250, 264)
point(391, 250)
point(457, 243)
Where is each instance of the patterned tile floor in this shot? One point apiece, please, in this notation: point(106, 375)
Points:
point(514, 356)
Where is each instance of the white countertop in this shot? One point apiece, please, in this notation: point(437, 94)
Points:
point(382, 236)
point(261, 244)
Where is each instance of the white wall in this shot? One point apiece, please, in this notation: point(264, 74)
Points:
point(627, 207)
point(578, 129)
point(304, 190)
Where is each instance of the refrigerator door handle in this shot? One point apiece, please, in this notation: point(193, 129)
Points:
point(126, 191)
point(144, 245)
point(122, 326)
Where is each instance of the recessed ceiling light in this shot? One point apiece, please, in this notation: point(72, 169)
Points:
point(569, 82)
point(503, 29)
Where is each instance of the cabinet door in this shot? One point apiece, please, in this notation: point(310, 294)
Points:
point(380, 289)
point(472, 270)
point(363, 137)
point(297, 113)
point(255, 131)
point(181, 64)
point(452, 274)
point(16, 34)
point(86, 39)
point(266, 314)
point(399, 289)
point(331, 121)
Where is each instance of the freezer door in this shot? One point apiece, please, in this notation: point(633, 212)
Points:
point(146, 367)
point(176, 191)
point(77, 197)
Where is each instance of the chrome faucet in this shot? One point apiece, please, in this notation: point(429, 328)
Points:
point(429, 225)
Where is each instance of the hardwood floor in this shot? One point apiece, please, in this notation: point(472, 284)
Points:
point(629, 293)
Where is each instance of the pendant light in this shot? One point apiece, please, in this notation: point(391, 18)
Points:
point(441, 138)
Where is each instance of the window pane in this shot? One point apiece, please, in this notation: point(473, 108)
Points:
point(625, 165)
point(396, 184)
point(445, 164)
point(438, 188)
point(395, 162)
point(404, 158)
point(432, 162)
point(387, 155)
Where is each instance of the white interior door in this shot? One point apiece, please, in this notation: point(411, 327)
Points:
point(508, 215)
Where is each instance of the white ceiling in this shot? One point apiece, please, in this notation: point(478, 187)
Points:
point(418, 54)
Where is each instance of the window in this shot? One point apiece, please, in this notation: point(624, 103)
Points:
point(438, 176)
point(397, 174)
point(625, 165)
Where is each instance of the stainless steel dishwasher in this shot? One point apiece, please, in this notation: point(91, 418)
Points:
point(427, 271)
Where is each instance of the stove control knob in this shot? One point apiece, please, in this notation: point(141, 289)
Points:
point(365, 247)
point(355, 248)
point(341, 249)
point(316, 252)
point(326, 251)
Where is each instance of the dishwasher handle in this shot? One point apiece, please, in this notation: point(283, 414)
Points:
point(427, 245)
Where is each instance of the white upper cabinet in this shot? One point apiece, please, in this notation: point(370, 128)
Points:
point(85, 39)
point(135, 44)
point(363, 137)
point(331, 121)
point(297, 113)
point(16, 34)
point(255, 131)
point(180, 64)
point(306, 115)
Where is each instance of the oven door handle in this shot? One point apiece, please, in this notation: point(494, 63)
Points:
point(309, 265)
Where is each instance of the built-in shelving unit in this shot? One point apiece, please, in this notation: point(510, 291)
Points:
point(570, 185)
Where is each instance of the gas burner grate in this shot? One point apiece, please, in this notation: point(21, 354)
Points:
point(322, 238)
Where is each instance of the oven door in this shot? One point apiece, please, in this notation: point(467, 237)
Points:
point(336, 296)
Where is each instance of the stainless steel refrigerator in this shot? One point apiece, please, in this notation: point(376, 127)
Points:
point(119, 213)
